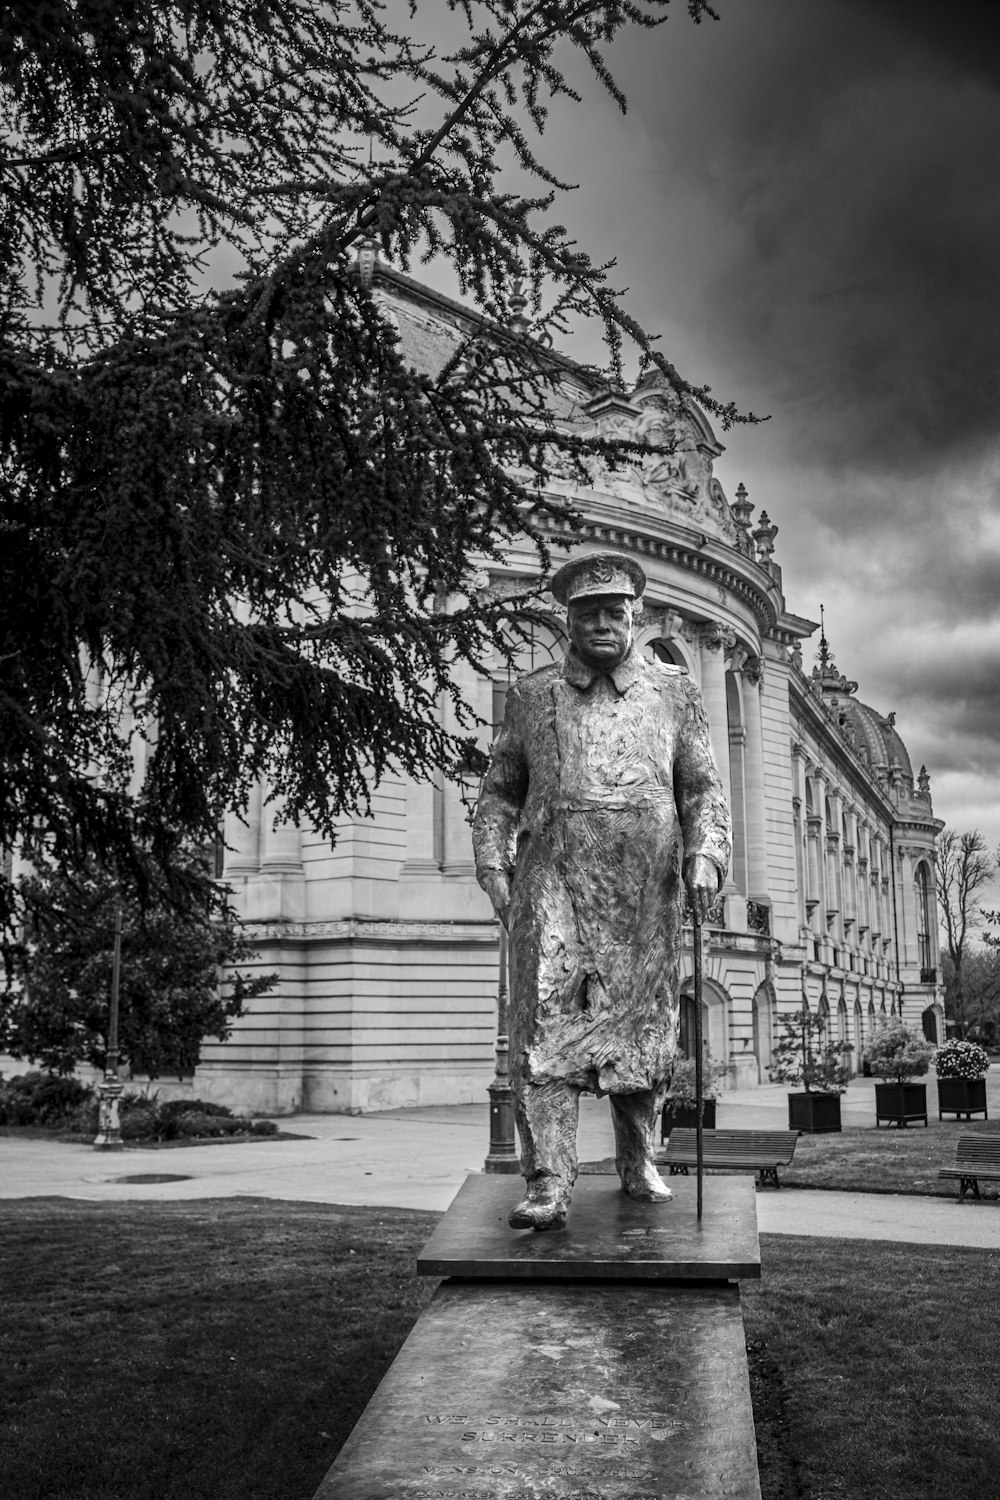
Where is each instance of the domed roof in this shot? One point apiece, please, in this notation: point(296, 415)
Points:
point(872, 734)
point(875, 733)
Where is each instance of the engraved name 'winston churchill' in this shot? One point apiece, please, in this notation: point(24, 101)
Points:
point(601, 795)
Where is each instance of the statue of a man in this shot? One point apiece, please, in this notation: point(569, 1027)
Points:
point(601, 795)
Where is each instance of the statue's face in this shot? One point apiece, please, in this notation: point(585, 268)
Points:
point(601, 629)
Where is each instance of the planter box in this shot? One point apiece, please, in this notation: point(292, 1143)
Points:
point(899, 1103)
point(814, 1114)
point(962, 1096)
point(686, 1119)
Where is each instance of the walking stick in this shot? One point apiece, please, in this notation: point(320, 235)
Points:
point(699, 1082)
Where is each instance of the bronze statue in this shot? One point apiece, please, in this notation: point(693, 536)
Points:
point(602, 780)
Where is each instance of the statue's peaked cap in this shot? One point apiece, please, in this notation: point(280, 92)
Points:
point(598, 573)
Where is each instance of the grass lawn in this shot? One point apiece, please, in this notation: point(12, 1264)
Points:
point(867, 1160)
point(194, 1351)
point(873, 1370)
point(215, 1350)
point(888, 1160)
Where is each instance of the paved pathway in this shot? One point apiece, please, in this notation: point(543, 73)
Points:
point(418, 1158)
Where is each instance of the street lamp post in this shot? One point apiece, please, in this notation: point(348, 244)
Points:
point(108, 1136)
point(503, 1155)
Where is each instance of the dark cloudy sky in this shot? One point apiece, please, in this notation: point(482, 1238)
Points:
point(803, 199)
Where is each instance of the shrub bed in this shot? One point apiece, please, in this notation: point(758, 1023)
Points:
point(48, 1100)
point(194, 1124)
point(41, 1099)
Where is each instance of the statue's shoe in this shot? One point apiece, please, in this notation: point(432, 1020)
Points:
point(644, 1182)
point(540, 1208)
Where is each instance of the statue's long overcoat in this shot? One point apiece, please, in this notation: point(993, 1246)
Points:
point(598, 788)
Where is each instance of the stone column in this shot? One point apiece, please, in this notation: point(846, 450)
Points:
point(878, 931)
point(277, 892)
point(833, 885)
point(906, 906)
point(864, 893)
point(797, 758)
point(420, 862)
point(281, 844)
point(457, 857)
point(754, 780)
point(850, 912)
point(737, 782)
point(888, 930)
point(242, 836)
point(713, 641)
point(815, 828)
point(834, 874)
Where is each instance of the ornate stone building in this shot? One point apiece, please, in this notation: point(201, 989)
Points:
point(386, 949)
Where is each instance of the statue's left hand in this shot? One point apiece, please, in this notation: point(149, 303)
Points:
point(702, 881)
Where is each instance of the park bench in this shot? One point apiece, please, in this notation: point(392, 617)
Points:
point(977, 1158)
point(762, 1151)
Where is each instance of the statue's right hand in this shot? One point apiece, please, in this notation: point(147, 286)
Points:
point(496, 884)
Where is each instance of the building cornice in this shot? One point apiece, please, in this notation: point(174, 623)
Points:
point(692, 551)
point(374, 930)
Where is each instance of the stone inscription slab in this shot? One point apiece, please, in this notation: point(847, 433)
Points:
point(607, 1235)
point(572, 1391)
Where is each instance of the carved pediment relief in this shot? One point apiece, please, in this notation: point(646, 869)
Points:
point(677, 480)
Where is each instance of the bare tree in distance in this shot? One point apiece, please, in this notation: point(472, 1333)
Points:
point(965, 867)
point(977, 1011)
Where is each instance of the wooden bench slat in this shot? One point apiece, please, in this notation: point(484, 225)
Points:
point(760, 1151)
point(977, 1157)
point(978, 1148)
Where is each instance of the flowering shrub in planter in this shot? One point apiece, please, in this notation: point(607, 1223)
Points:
point(899, 1103)
point(896, 1054)
point(681, 1104)
point(802, 1056)
point(957, 1059)
point(961, 1074)
point(820, 1067)
point(813, 1113)
point(682, 1084)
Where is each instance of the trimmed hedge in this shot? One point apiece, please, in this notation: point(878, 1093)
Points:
point(192, 1124)
point(171, 1107)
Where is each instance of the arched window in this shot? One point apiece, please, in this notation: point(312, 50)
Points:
point(534, 646)
point(763, 1010)
point(922, 901)
point(688, 1022)
point(714, 1021)
point(663, 651)
point(823, 1011)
